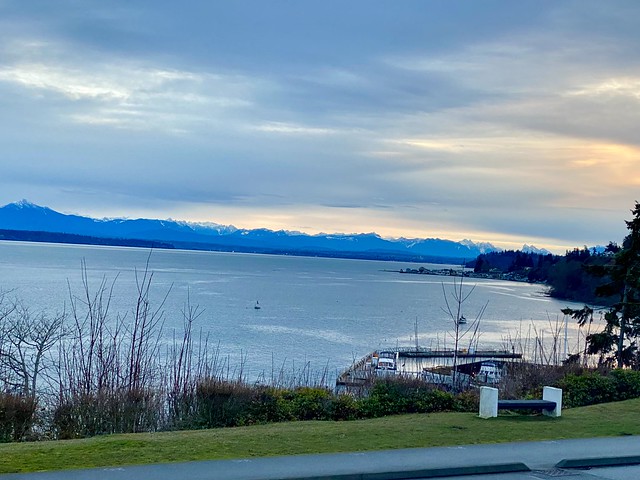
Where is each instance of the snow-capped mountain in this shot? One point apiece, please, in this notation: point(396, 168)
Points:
point(532, 249)
point(484, 247)
point(26, 216)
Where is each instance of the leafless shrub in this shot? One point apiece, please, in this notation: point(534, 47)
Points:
point(108, 369)
point(26, 339)
point(545, 359)
point(525, 377)
point(293, 376)
point(462, 328)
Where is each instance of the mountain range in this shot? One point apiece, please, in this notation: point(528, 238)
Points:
point(23, 217)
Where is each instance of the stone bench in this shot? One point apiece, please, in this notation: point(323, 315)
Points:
point(550, 405)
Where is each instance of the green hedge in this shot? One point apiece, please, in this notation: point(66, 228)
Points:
point(593, 387)
point(221, 404)
point(627, 383)
point(216, 403)
point(391, 397)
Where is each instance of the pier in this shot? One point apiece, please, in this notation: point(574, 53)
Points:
point(412, 361)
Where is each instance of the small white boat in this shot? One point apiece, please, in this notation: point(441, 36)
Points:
point(490, 372)
point(384, 362)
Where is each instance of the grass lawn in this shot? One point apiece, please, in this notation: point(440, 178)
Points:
point(293, 438)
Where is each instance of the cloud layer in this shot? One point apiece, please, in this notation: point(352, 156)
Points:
point(509, 122)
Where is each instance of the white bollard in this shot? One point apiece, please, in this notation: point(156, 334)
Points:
point(553, 395)
point(488, 402)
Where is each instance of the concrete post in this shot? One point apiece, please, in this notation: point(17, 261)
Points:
point(553, 395)
point(488, 402)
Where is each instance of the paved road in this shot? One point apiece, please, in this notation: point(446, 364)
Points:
point(608, 473)
point(524, 461)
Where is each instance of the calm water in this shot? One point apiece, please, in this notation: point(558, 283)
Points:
point(317, 311)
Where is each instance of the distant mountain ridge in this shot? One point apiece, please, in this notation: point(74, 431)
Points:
point(26, 216)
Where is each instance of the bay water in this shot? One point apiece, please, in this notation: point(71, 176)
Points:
point(317, 314)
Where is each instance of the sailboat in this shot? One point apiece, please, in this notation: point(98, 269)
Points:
point(257, 305)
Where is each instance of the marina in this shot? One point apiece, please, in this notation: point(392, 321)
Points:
point(432, 366)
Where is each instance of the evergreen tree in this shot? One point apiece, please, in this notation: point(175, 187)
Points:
point(623, 318)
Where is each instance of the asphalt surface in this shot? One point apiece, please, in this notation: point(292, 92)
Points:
point(616, 458)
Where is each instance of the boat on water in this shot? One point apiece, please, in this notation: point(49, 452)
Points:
point(384, 362)
point(490, 372)
point(462, 320)
point(257, 305)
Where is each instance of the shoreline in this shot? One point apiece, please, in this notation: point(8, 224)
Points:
point(450, 272)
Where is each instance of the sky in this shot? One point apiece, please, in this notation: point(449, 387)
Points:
point(494, 120)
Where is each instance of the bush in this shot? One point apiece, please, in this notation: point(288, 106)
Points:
point(16, 416)
point(467, 401)
point(181, 407)
point(345, 407)
point(525, 380)
point(627, 383)
point(106, 412)
point(587, 389)
point(405, 395)
point(222, 404)
point(427, 401)
point(304, 403)
point(84, 416)
point(64, 423)
point(591, 388)
point(139, 411)
point(309, 403)
point(269, 405)
point(386, 397)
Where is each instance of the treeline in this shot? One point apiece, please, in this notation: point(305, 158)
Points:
point(74, 239)
point(380, 255)
point(568, 276)
point(609, 279)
